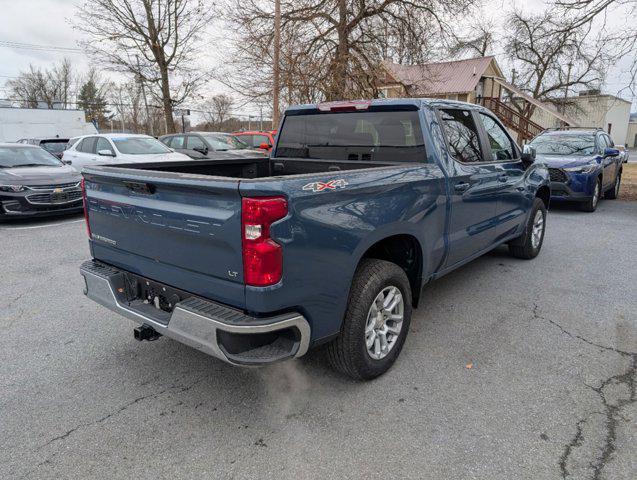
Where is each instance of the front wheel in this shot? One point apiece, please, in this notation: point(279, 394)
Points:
point(376, 321)
point(529, 244)
point(591, 204)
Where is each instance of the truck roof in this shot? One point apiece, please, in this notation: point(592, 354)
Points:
point(414, 103)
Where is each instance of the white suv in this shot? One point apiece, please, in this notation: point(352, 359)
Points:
point(110, 148)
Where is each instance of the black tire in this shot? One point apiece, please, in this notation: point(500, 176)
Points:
point(523, 246)
point(348, 352)
point(590, 205)
point(613, 193)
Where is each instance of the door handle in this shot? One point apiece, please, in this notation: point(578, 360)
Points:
point(503, 178)
point(461, 186)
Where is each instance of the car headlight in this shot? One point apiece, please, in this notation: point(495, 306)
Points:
point(581, 169)
point(12, 188)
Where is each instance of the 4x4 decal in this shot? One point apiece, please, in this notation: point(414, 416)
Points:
point(320, 186)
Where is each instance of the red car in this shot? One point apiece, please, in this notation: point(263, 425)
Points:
point(257, 139)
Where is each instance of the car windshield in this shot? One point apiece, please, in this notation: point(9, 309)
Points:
point(564, 144)
point(221, 142)
point(56, 146)
point(13, 157)
point(139, 145)
point(364, 136)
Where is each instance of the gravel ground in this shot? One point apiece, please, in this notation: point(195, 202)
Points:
point(512, 370)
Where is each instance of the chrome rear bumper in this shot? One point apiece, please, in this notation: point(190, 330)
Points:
point(208, 326)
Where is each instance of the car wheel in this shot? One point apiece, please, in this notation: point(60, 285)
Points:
point(376, 321)
point(613, 193)
point(529, 244)
point(591, 204)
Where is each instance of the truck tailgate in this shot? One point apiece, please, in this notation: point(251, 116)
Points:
point(176, 229)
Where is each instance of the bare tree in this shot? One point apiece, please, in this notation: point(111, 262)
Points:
point(550, 60)
point(127, 106)
point(331, 49)
point(55, 87)
point(155, 40)
point(478, 41)
point(216, 110)
point(624, 43)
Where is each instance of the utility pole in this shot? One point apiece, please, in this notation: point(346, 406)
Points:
point(261, 118)
point(121, 109)
point(149, 124)
point(276, 81)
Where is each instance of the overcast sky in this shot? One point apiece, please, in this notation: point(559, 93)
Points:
point(47, 22)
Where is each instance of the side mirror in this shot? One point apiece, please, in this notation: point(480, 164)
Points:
point(265, 146)
point(67, 162)
point(611, 152)
point(528, 154)
point(202, 150)
point(105, 153)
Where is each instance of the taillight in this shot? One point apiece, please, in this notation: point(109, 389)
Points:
point(262, 256)
point(85, 202)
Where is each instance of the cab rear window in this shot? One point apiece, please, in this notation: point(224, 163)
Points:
point(363, 136)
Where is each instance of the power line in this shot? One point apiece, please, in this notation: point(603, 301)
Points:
point(42, 48)
point(119, 105)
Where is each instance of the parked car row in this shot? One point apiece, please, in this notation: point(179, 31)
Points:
point(584, 164)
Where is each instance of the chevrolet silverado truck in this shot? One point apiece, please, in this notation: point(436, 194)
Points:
point(326, 243)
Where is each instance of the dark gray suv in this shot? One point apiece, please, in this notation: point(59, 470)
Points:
point(211, 145)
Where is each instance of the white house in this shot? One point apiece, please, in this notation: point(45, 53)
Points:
point(608, 112)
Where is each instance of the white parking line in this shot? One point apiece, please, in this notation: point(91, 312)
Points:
point(42, 226)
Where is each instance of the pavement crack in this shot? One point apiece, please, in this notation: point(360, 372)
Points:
point(536, 315)
point(611, 410)
point(576, 441)
point(180, 388)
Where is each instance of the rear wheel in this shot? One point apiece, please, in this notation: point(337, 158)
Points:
point(591, 204)
point(613, 193)
point(529, 244)
point(376, 321)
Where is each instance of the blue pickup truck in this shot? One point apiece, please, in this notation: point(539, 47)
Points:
point(326, 243)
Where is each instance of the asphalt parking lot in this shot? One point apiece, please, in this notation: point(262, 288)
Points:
point(512, 370)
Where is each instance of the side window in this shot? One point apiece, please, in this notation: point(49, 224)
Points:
point(609, 141)
point(177, 141)
point(247, 139)
point(462, 135)
point(103, 144)
point(601, 141)
point(501, 145)
point(195, 142)
point(259, 139)
point(87, 145)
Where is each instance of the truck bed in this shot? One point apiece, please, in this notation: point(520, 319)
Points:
point(244, 168)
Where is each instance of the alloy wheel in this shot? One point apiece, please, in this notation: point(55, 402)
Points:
point(538, 229)
point(384, 322)
point(596, 195)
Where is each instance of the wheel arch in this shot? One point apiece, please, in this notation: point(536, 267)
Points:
point(405, 251)
point(544, 194)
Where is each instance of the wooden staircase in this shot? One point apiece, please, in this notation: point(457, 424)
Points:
point(512, 119)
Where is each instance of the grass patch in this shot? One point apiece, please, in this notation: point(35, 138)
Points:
point(628, 189)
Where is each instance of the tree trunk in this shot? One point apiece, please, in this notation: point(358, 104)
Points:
point(338, 88)
point(166, 100)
